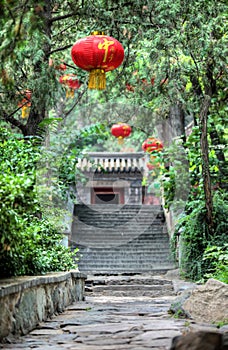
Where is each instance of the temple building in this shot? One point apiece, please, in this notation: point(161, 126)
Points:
point(114, 178)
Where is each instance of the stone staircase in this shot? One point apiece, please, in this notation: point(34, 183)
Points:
point(121, 239)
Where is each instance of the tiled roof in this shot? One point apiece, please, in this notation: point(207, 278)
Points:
point(112, 162)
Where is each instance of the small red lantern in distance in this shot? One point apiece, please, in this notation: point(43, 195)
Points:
point(97, 53)
point(152, 144)
point(120, 131)
point(151, 165)
point(60, 66)
point(71, 81)
point(25, 103)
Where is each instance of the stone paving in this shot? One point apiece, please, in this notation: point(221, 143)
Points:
point(107, 322)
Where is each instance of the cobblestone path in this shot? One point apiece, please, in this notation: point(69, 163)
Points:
point(109, 319)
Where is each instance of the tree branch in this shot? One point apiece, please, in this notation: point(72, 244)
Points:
point(59, 18)
point(65, 29)
point(60, 49)
point(75, 104)
point(10, 119)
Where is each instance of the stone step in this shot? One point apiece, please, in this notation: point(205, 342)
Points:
point(122, 268)
point(143, 268)
point(133, 254)
point(114, 270)
point(125, 243)
point(129, 285)
point(112, 225)
point(110, 251)
point(134, 236)
point(132, 287)
point(97, 216)
point(127, 280)
point(117, 207)
point(88, 265)
point(139, 292)
point(93, 232)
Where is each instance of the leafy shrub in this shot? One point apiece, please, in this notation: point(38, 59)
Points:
point(36, 249)
point(194, 234)
point(216, 260)
point(28, 244)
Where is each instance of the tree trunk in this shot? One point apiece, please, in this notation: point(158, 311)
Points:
point(39, 112)
point(222, 163)
point(177, 120)
point(205, 163)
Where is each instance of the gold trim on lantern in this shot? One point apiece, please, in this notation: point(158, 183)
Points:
point(97, 79)
point(97, 32)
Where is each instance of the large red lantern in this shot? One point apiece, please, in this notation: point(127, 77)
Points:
point(152, 144)
point(25, 103)
point(71, 82)
point(98, 54)
point(120, 131)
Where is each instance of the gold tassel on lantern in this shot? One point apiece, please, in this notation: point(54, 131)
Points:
point(97, 79)
point(24, 112)
point(70, 93)
point(120, 140)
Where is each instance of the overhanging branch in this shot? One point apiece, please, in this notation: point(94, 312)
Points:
point(10, 119)
point(60, 49)
point(59, 18)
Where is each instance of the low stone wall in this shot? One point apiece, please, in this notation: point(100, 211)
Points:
point(26, 301)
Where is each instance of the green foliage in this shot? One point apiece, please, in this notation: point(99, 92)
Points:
point(220, 324)
point(216, 260)
point(28, 244)
point(35, 248)
point(57, 169)
point(193, 231)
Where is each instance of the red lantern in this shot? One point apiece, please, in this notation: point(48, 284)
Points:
point(60, 66)
point(71, 82)
point(120, 131)
point(97, 53)
point(25, 103)
point(152, 144)
point(130, 87)
point(152, 164)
